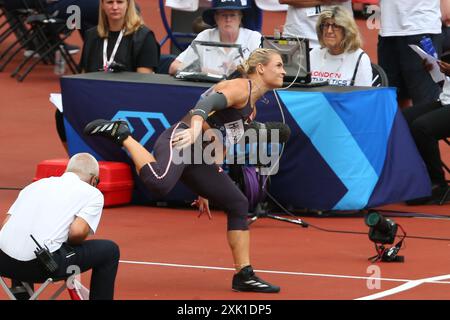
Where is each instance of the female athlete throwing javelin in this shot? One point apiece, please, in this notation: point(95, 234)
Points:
point(229, 101)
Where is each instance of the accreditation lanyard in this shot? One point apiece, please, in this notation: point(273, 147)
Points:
point(106, 62)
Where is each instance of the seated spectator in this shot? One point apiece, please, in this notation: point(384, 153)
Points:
point(129, 44)
point(127, 41)
point(430, 123)
point(302, 15)
point(227, 17)
point(340, 59)
point(60, 213)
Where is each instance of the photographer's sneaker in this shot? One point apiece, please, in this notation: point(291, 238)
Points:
point(246, 281)
point(117, 131)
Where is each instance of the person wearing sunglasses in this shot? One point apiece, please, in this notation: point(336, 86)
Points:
point(302, 15)
point(339, 59)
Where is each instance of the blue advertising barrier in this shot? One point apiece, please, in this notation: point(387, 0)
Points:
point(350, 148)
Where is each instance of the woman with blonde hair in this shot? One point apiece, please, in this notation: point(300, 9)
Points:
point(340, 59)
point(229, 104)
point(121, 41)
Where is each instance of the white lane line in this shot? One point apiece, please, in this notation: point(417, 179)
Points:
point(275, 272)
point(405, 286)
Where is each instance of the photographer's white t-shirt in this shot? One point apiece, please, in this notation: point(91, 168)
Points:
point(46, 209)
point(410, 17)
point(338, 70)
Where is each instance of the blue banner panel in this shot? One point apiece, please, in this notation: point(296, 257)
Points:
point(404, 174)
point(352, 133)
point(371, 135)
point(305, 179)
point(349, 149)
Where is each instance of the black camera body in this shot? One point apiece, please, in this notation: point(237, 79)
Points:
point(381, 236)
point(381, 230)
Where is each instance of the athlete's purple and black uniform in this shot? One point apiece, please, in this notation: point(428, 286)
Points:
point(207, 180)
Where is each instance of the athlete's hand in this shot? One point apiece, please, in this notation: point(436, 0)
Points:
point(183, 138)
point(186, 137)
point(203, 206)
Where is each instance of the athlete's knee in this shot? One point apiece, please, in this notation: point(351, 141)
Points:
point(239, 205)
point(161, 186)
point(237, 212)
point(239, 222)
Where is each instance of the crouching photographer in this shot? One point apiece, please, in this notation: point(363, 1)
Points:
point(45, 229)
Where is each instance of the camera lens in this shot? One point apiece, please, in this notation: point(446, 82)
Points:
point(372, 219)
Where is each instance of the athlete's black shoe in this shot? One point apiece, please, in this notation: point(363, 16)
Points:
point(246, 280)
point(117, 131)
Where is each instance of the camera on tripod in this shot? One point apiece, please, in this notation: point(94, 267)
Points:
point(383, 231)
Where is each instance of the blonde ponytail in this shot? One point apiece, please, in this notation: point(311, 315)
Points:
point(260, 55)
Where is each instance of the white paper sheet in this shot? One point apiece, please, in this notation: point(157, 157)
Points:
point(183, 5)
point(436, 73)
point(56, 99)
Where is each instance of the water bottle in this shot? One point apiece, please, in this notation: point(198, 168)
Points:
point(428, 47)
point(60, 64)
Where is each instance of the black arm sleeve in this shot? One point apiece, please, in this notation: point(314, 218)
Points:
point(213, 102)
